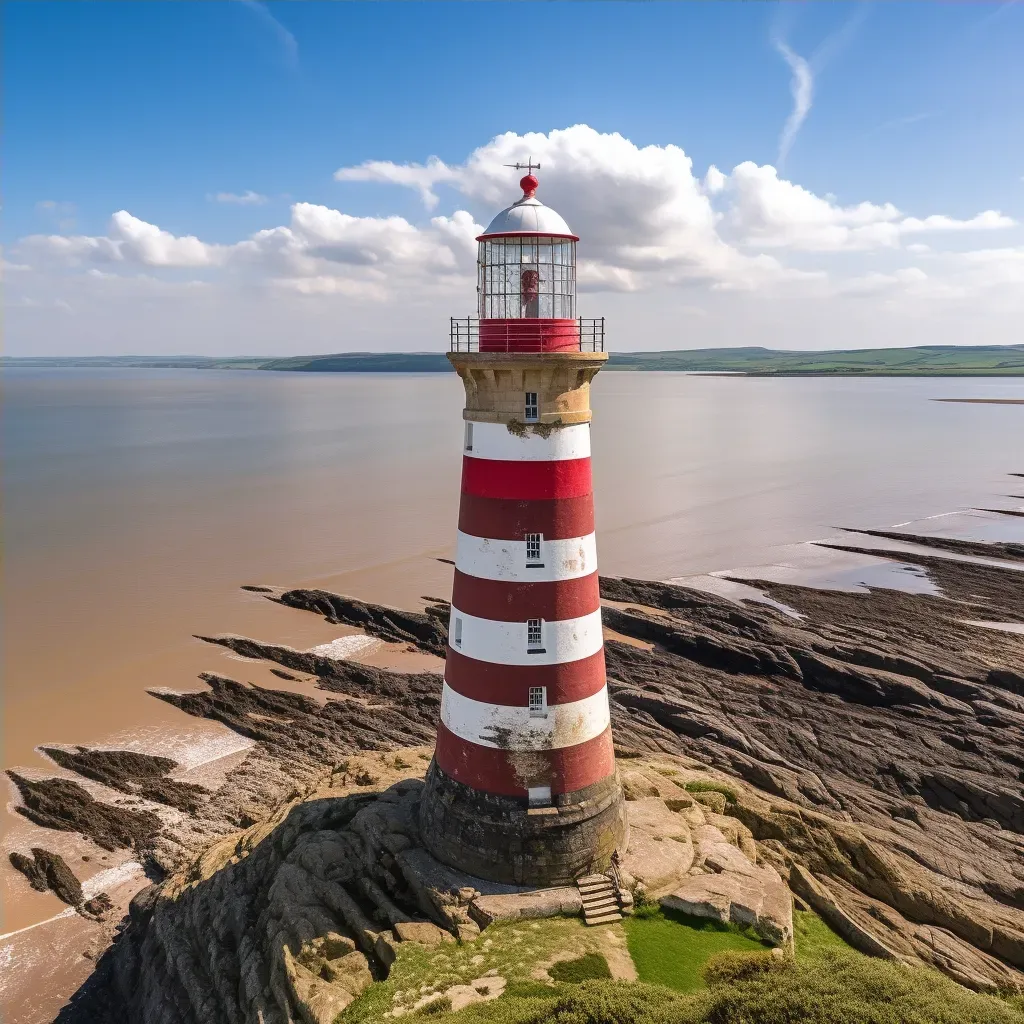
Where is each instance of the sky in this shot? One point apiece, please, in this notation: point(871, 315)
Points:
point(239, 177)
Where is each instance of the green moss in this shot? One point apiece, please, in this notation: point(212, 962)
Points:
point(435, 1006)
point(710, 786)
point(670, 948)
point(588, 967)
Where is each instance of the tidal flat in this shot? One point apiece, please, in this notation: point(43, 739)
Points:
point(130, 544)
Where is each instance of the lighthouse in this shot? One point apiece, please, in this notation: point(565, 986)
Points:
point(523, 787)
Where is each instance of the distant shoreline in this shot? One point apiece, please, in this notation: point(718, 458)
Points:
point(923, 361)
point(983, 401)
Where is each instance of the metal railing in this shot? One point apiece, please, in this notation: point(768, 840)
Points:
point(527, 335)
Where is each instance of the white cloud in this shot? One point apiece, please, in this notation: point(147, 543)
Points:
point(655, 238)
point(151, 246)
point(327, 285)
point(767, 210)
point(421, 177)
point(988, 220)
point(247, 198)
point(289, 45)
point(803, 73)
point(801, 86)
point(875, 282)
point(995, 267)
point(714, 181)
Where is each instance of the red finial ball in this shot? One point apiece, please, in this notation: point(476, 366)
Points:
point(529, 185)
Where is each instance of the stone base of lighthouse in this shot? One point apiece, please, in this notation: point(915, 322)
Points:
point(503, 840)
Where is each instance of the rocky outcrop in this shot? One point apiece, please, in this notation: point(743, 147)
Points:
point(287, 921)
point(428, 631)
point(130, 772)
point(65, 805)
point(48, 872)
point(997, 549)
point(729, 887)
point(873, 744)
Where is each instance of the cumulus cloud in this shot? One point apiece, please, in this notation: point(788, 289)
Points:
point(648, 222)
point(421, 177)
point(769, 211)
point(642, 210)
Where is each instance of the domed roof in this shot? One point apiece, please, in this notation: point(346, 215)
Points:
point(528, 217)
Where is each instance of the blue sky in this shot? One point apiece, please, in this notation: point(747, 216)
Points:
point(158, 108)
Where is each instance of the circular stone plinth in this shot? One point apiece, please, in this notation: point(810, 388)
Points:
point(501, 839)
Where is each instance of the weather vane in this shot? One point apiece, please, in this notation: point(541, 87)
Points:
point(529, 166)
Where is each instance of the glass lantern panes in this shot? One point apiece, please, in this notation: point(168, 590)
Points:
point(527, 277)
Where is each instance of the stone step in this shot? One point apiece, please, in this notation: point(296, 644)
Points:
point(609, 918)
point(591, 879)
point(596, 887)
point(611, 900)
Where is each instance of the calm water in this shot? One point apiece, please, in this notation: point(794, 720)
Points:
point(136, 502)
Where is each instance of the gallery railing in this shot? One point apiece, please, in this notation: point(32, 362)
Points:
point(471, 334)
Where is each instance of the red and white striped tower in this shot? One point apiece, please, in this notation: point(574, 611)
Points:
point(523, 786)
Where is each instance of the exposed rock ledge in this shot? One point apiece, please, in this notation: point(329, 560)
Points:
point(874, 745)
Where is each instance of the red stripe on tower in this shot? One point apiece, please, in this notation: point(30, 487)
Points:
point(509, 773)
point(526, 481)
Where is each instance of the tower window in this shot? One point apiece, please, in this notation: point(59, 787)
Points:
point(534, 636)
point(469, 437)
point(538, 702)
point(532, 413)
point(533, 541)
point(457, 637)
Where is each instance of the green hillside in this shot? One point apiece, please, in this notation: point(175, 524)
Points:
point(922, 361)
point(988, 360)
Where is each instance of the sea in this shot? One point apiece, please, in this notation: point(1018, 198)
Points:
point(137, 503)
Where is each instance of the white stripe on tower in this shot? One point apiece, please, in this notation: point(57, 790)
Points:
point(495, 559)
point(505, 643)
point(514, 728)
point(495, 441)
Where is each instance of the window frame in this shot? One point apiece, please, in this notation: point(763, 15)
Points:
point(550, 262)
point(457, 631)
point(467, 444)
point(535, 551)
point(528, 416)
point(534, 636)
point(539, 707)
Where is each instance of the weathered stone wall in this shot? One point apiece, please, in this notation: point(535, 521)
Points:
point(496, 383)
point(501, 839)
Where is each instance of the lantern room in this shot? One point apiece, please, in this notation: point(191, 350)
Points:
point(526, 267)
point(526, 284)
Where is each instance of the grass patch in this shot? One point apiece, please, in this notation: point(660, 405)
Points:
point(670, 948)
point(758, 988)
point(813, 937)
point(589, 967)
point(710, 786)
point(435, 1006)
point(511, 949)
